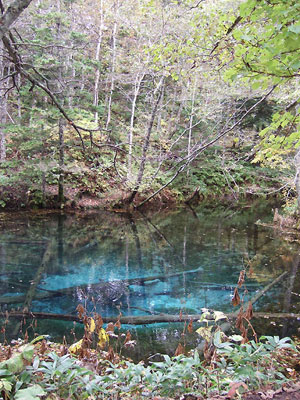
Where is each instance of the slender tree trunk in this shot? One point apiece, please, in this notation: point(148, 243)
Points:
point(3, 104)
point(137, 85)
point(97, 58)
point(178, 97)
point(160, 107)
point(191, 125)
point(146, 145)
point(61, 163)
point(297, 179)
point(61, 121)
point(113, 67)
point(19, 101)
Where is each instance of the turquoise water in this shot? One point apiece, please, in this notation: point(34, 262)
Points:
point(140, 265)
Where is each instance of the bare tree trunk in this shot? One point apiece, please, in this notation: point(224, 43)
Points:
point(146, 145)
point(137, 85)
point(61, 163)
point(172, 128)
point(297, 179)
point(191, 124)
point(3, 105)
point(97, 58)
point(113, 67)
point(19, 101)
point(160, 107)
point(61, 142)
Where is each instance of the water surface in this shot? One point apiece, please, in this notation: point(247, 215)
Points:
point(140, 265)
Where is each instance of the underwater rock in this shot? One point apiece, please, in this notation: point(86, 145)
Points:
point(110, 292)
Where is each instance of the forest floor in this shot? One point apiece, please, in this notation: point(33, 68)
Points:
point(76, 198)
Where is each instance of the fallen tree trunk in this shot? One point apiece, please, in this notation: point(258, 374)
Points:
point(48, 254)
point(136, 320)
point(72, 290)
point(263, 291)
point(33, 287)
point(93, 286)
point(154, 319)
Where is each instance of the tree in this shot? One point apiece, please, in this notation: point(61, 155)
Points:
point(262, 51)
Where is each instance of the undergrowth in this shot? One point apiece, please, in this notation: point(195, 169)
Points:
point(44, 370)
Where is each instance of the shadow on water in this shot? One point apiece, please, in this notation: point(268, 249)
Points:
point(167, 263)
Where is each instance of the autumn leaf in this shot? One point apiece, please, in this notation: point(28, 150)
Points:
point(103, 338)
point(91, 325)
point(190, 326)
point(205, 332)
point(110, 327)
point(179, 350)
point(234, 386)
point(241, 280)
point(249, 311)
point(128, 337)
point(239, 320)
point(98, 321)
point(81, 311)
point(236, 298)
point(75, 347)
point(111, 354)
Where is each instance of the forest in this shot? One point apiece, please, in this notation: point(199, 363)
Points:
point(149, 199)
point(113, 104)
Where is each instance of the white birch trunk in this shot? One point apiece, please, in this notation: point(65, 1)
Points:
point(113, 67)
point(137, 85)
point(19, 101)
point(3, 107)
point(97, 58)
point(191, 124)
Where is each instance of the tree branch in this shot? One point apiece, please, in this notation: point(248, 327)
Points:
point(11, 14)
point(199, 150)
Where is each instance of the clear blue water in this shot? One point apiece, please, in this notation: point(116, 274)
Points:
point(192, 260)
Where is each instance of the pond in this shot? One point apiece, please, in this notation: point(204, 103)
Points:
point(141, 265)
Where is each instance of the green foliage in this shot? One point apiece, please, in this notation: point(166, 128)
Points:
point(219, 173)
point(253, 364)
point(272, 50)
point(260, 117)
point(265, 51)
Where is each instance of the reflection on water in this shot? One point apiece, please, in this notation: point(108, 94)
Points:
point(142, 265)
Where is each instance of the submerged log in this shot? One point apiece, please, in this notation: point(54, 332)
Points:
point(30, 295)
point(94, 286)
point(263, 291)
point(48, 254)
point(137, 320)
point(154, 319)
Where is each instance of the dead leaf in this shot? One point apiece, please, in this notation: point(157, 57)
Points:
point(98, 321)
point(81, 310)
point(234, 386)
point(249, 311)
point(179, 350)
point(241, 280)
point(236, 298)
point(128, 337)
point(110, 327)
point(190, 326)
point(118, 324)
